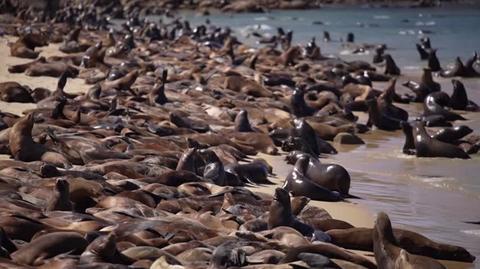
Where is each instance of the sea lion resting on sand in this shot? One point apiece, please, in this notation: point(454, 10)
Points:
point(361, 239)
point(387, 253)
point(23, 148)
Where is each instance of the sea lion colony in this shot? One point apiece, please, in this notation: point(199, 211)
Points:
point(142, 171)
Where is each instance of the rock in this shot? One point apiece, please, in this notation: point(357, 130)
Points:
point(348, 139)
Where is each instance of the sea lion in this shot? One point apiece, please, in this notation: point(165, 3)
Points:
point(422, 51)
point(49, 245)
point(433, 62)
point(280, 214)
point(434, 105)
point(104, 250)
point(23, 148)
point(458, 70)
point(427, 146)
point(387, 253)
point(425, 87)
point(330, 251)
point(409, 145)
point(14, 92)
point(300, 185)
point(331, 176)
point(60, 200)
point(24, 46)
point(298, 105)
point(380, 119)
point(157, 95)
point(361, 239)
point(241, 122)
point(20, 68)
point(459, 99)
point(391, 67)
point(470, 69)
point(449, 135)
point(54, 69)
point(385, 103)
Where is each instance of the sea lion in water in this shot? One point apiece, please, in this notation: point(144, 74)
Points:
point(361, 239)
point(331, 176)
point(48, 246)
point(300, 185)
point(280, 214)
point(427, 146)
point(389, 256)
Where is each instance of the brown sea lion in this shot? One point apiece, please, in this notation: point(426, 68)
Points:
point(48, 246)
point(24, 47)
point(426, 146)
point(361, 239)
point(104, 250)
point(54, 69)
point(387, 253)
point(14, 92)
point(23, 148)
point(280, 214)
point(60, 200)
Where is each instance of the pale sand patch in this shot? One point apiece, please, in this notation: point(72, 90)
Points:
point(73, 85)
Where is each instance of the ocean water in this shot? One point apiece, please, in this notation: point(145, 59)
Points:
point(434, 196)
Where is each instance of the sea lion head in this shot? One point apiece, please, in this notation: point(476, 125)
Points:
point(282, 196)
point(383, 227)
point(62, 186)
point(301, 165)
point(104, 246)
point(293, 156)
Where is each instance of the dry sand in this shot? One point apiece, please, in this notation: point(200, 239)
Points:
point(73, 85)
point(349, 211)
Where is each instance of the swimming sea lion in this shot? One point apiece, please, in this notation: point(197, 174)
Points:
point(300, 185)
point(427, 146)
point(387, 253)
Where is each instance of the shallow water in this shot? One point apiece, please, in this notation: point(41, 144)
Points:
point(433, 196)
